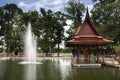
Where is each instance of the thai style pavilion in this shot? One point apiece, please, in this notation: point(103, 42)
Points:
point(86, 38)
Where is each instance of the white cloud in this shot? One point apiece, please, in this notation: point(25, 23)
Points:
point(21, 4)
point(66, 28)
point(69, 22)
point(90, 7)
point(57, 8)
point(55, 5)
point(34, 6)
point(56, 2)
point(24, 5)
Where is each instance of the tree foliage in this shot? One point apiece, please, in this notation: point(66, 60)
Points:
point(106, 14)
point(75, 11)
point(52, 30)
point(6, 22)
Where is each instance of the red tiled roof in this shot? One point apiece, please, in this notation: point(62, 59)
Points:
point(80, 42)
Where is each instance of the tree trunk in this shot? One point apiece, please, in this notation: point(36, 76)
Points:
point(8, 50)
point(46, 54)
point(58, 50)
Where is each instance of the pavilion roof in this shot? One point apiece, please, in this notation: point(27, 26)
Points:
point(87, 34)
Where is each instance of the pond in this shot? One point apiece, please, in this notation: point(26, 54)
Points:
point(55, 69)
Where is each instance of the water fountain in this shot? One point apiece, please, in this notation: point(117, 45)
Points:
point(29, 47)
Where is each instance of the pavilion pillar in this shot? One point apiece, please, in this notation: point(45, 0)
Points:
point(73, 55)
point(103, 54)
point(77, 55)
point(89, 55)
point(97, 55)
point(73, 52)
point(103, 58)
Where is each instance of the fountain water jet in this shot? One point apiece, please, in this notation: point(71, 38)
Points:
point(30, 47)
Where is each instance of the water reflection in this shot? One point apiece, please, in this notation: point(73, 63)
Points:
point(2, 72)
point(65, 67)
point(30, 72)
point(58, 69)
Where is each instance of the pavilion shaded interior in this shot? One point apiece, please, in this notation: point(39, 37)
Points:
point(85, 40)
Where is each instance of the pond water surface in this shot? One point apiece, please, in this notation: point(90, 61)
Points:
point(55, 69)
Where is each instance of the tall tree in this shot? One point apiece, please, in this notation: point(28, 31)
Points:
point(106, 14)
point(17, 33)
point(7, 13)
point(52, 30)
point(47, 23)
point(75, 10)
point(59, 29)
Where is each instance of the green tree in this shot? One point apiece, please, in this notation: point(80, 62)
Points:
point(17, 35)
point(6, 21)
point(75, 11)
point(47, 25)
point(106, 14)
point(59, 29)
point(52, 31)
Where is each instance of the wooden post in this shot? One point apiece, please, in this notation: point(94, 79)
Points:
point(77, 54)
point(73, 52)
point(103, 57)
point(89, 55)
point(102, 52)
point(98, 55)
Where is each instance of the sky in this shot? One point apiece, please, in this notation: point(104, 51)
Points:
point(55, 5)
